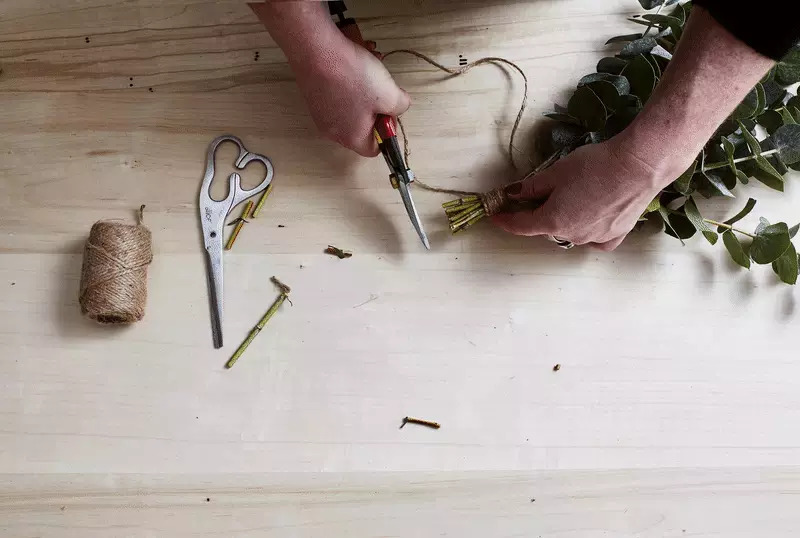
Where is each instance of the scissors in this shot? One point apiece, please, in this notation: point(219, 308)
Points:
point(213, 214)
point(384, 130)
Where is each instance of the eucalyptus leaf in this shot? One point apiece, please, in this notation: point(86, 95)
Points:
point(729, 148)
point(679, 12)
point(762, 224)
point(586, 106)
point(631, 101)
point(761, 99)
point(661, 52)
point(663, 21)
point(793, 230)
point(718, 184)
point(774, 93)
point(607, 92)
point(787, 141)
point(748, 207)
point(752, 105)
point(654, 62)
point(654, 205)
point(684, 182)
point(664, 213)
point(620, 83)
point(612, 65)
point(621, 118)
point(770, 243)
point(767, 174)
point(651, 4)
point(770, 120)
point(595, 137)
point(566, 135)
point(679, 225)
point(786, 116)
point(735, 249)
point(694, 216)
point(560, 109)
point(641, 76)
point(623, 38)
point(666, 21)
point(565, 118)
point(640, 46)
point(770, 76)
point(751, 140)
point(641, 21)
point(786, 267)
point(741, 176)
point(711, 237)
point(787, 71)
point(666, 46)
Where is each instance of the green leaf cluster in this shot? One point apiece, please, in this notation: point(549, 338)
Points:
point(604, 103)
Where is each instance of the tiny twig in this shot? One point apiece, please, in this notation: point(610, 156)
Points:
point(428, 423)
point(284, 295)
point(339, 253)
point(241, 221)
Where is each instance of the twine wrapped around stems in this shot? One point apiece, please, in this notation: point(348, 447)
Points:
point(113, 286)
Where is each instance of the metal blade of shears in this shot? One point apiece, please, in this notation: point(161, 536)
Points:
point(411, 209)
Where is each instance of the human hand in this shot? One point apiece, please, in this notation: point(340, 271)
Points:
point(346, 93)
point(344, 83)
point(593, 196)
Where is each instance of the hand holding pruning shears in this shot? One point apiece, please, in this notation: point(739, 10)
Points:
point(340, 76)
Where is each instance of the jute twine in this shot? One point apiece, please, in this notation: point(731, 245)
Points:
point(114, 273)
point(496, 200)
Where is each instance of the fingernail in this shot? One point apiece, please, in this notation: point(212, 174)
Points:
point(513, 189)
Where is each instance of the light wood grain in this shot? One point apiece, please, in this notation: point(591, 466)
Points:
point(671, 357)
point(617, 504)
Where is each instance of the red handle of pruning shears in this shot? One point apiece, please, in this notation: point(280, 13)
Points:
point(385, 127)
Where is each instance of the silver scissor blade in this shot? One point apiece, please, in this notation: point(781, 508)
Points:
point(411, 209)
point(214, 276)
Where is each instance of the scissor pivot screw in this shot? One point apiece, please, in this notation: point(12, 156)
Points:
point(393, 181)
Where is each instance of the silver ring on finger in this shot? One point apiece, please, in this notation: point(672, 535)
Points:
point(563, 243)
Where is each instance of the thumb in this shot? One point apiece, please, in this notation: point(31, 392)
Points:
point(529, 222)
point(401, 104)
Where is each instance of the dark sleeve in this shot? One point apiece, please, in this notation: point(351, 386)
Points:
point(771, 27)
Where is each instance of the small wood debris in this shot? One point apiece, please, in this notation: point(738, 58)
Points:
point(428, 423)
point(557, 367)
point(339, 253)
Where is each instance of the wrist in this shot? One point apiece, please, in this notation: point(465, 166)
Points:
point(665, 154)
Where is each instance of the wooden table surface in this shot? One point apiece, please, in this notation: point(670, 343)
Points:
point(675, 410)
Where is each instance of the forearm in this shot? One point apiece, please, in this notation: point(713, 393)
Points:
point(305, 32)
point(709, 75)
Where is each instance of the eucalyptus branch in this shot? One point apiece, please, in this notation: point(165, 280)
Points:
point(607, 101)
point(729, 227)
point(714, 166)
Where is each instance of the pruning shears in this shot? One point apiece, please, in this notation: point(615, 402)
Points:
point(385, 129)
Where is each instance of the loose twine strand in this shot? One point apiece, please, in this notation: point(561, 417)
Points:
point(492, 200)
point(113, 286)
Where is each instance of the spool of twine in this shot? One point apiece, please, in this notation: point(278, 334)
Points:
point(114, 273)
